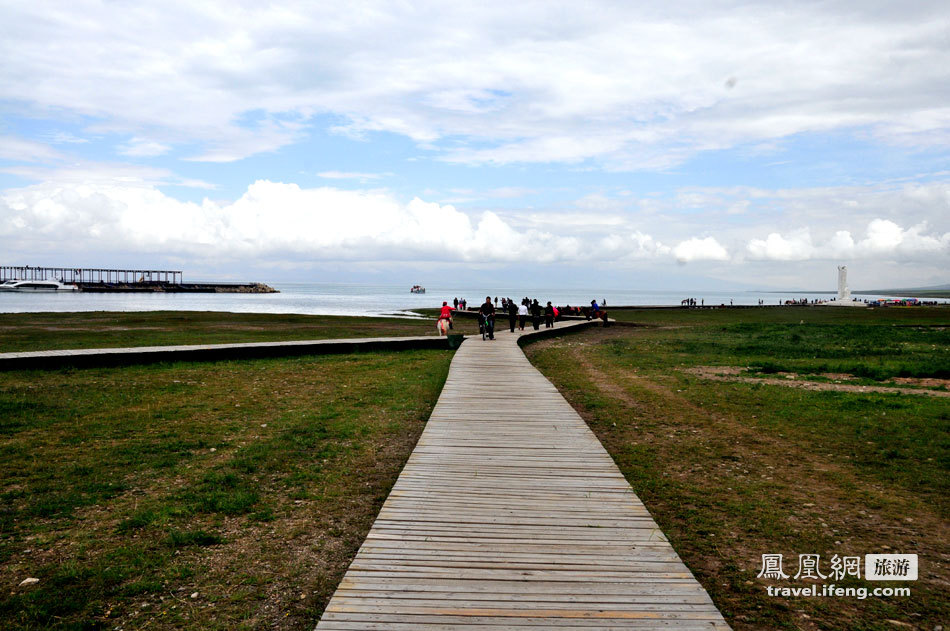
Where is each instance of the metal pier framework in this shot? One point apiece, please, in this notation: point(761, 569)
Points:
point(89, 275)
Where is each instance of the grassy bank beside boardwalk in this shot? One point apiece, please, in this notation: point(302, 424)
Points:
point(227, 495)
point(102, 329)
point(704, 412)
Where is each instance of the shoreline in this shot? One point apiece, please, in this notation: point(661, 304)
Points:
point(176, 288)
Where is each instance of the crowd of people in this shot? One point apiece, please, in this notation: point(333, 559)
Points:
point(518, 314)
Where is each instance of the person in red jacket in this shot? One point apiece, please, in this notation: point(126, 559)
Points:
point(445, 316)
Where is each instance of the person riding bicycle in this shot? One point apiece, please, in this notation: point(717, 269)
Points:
point(486, 316)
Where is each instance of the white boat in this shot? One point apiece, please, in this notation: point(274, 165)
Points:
point(37, 285)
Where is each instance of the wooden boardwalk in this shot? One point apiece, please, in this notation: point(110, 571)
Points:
point(511, 515)
point(82, 357)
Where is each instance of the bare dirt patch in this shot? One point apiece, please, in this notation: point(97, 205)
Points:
point(793, 380)
point(924, 382)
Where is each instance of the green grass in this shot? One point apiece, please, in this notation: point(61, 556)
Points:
point(735, 470)
point(910, 316)
point(251, 483)
point(100, 329)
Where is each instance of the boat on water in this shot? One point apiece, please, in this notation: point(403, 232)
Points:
point(37, 285)
point(417, 289)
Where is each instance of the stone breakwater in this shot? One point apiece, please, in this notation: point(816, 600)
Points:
point(162, 287)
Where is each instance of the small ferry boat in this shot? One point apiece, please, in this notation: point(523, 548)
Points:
point(37, 285)
point(417, 289)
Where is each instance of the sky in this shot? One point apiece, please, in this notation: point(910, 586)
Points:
point(697, 144)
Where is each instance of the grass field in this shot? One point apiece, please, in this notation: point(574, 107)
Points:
point(102, 329)
point(734, 470)
point(227, 495)
point(233, 495)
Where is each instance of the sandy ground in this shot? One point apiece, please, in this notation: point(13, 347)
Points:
point(793, 380)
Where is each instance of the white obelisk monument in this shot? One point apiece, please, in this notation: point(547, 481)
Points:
point(844, 294)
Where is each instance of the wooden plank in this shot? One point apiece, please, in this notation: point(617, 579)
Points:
point(509, 514)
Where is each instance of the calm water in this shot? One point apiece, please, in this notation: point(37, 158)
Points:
point(354, 299)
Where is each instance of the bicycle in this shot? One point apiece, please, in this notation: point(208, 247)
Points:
point(486, 326)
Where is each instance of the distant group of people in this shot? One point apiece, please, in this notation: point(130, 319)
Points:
point(530, 307)
point(519, 314)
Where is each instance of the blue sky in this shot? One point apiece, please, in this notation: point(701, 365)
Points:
point(699, 144)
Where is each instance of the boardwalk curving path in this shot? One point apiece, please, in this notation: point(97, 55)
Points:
point(511, 515)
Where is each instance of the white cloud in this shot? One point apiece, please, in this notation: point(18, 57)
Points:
point(572, 221)
point(350, 175)
point(465, 195)
point(508, 192)
point(628, 85)
point(884, 239)
point(795, 247)
point(107, 174)
point(235, 142)
point(841, 245)
point(644, 246)
point(696, 249)
point(270, 221)
point(883, 236)
point(67, 138)
point(22, 150)
point(598, 202)
point(138, 147)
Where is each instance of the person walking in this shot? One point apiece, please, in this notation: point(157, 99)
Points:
point(536, 314)
point(522, 315)
point(512, 314)
point(548, 315)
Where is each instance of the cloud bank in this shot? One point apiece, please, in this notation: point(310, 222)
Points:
point(271, 220)
point(883, 238)
point(274, 221)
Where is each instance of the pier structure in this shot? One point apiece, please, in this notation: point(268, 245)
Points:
point(90, 275)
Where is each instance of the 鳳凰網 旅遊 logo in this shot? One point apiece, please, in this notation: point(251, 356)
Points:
point(810, 567)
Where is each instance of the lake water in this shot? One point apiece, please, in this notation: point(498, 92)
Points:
point(357, 299)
